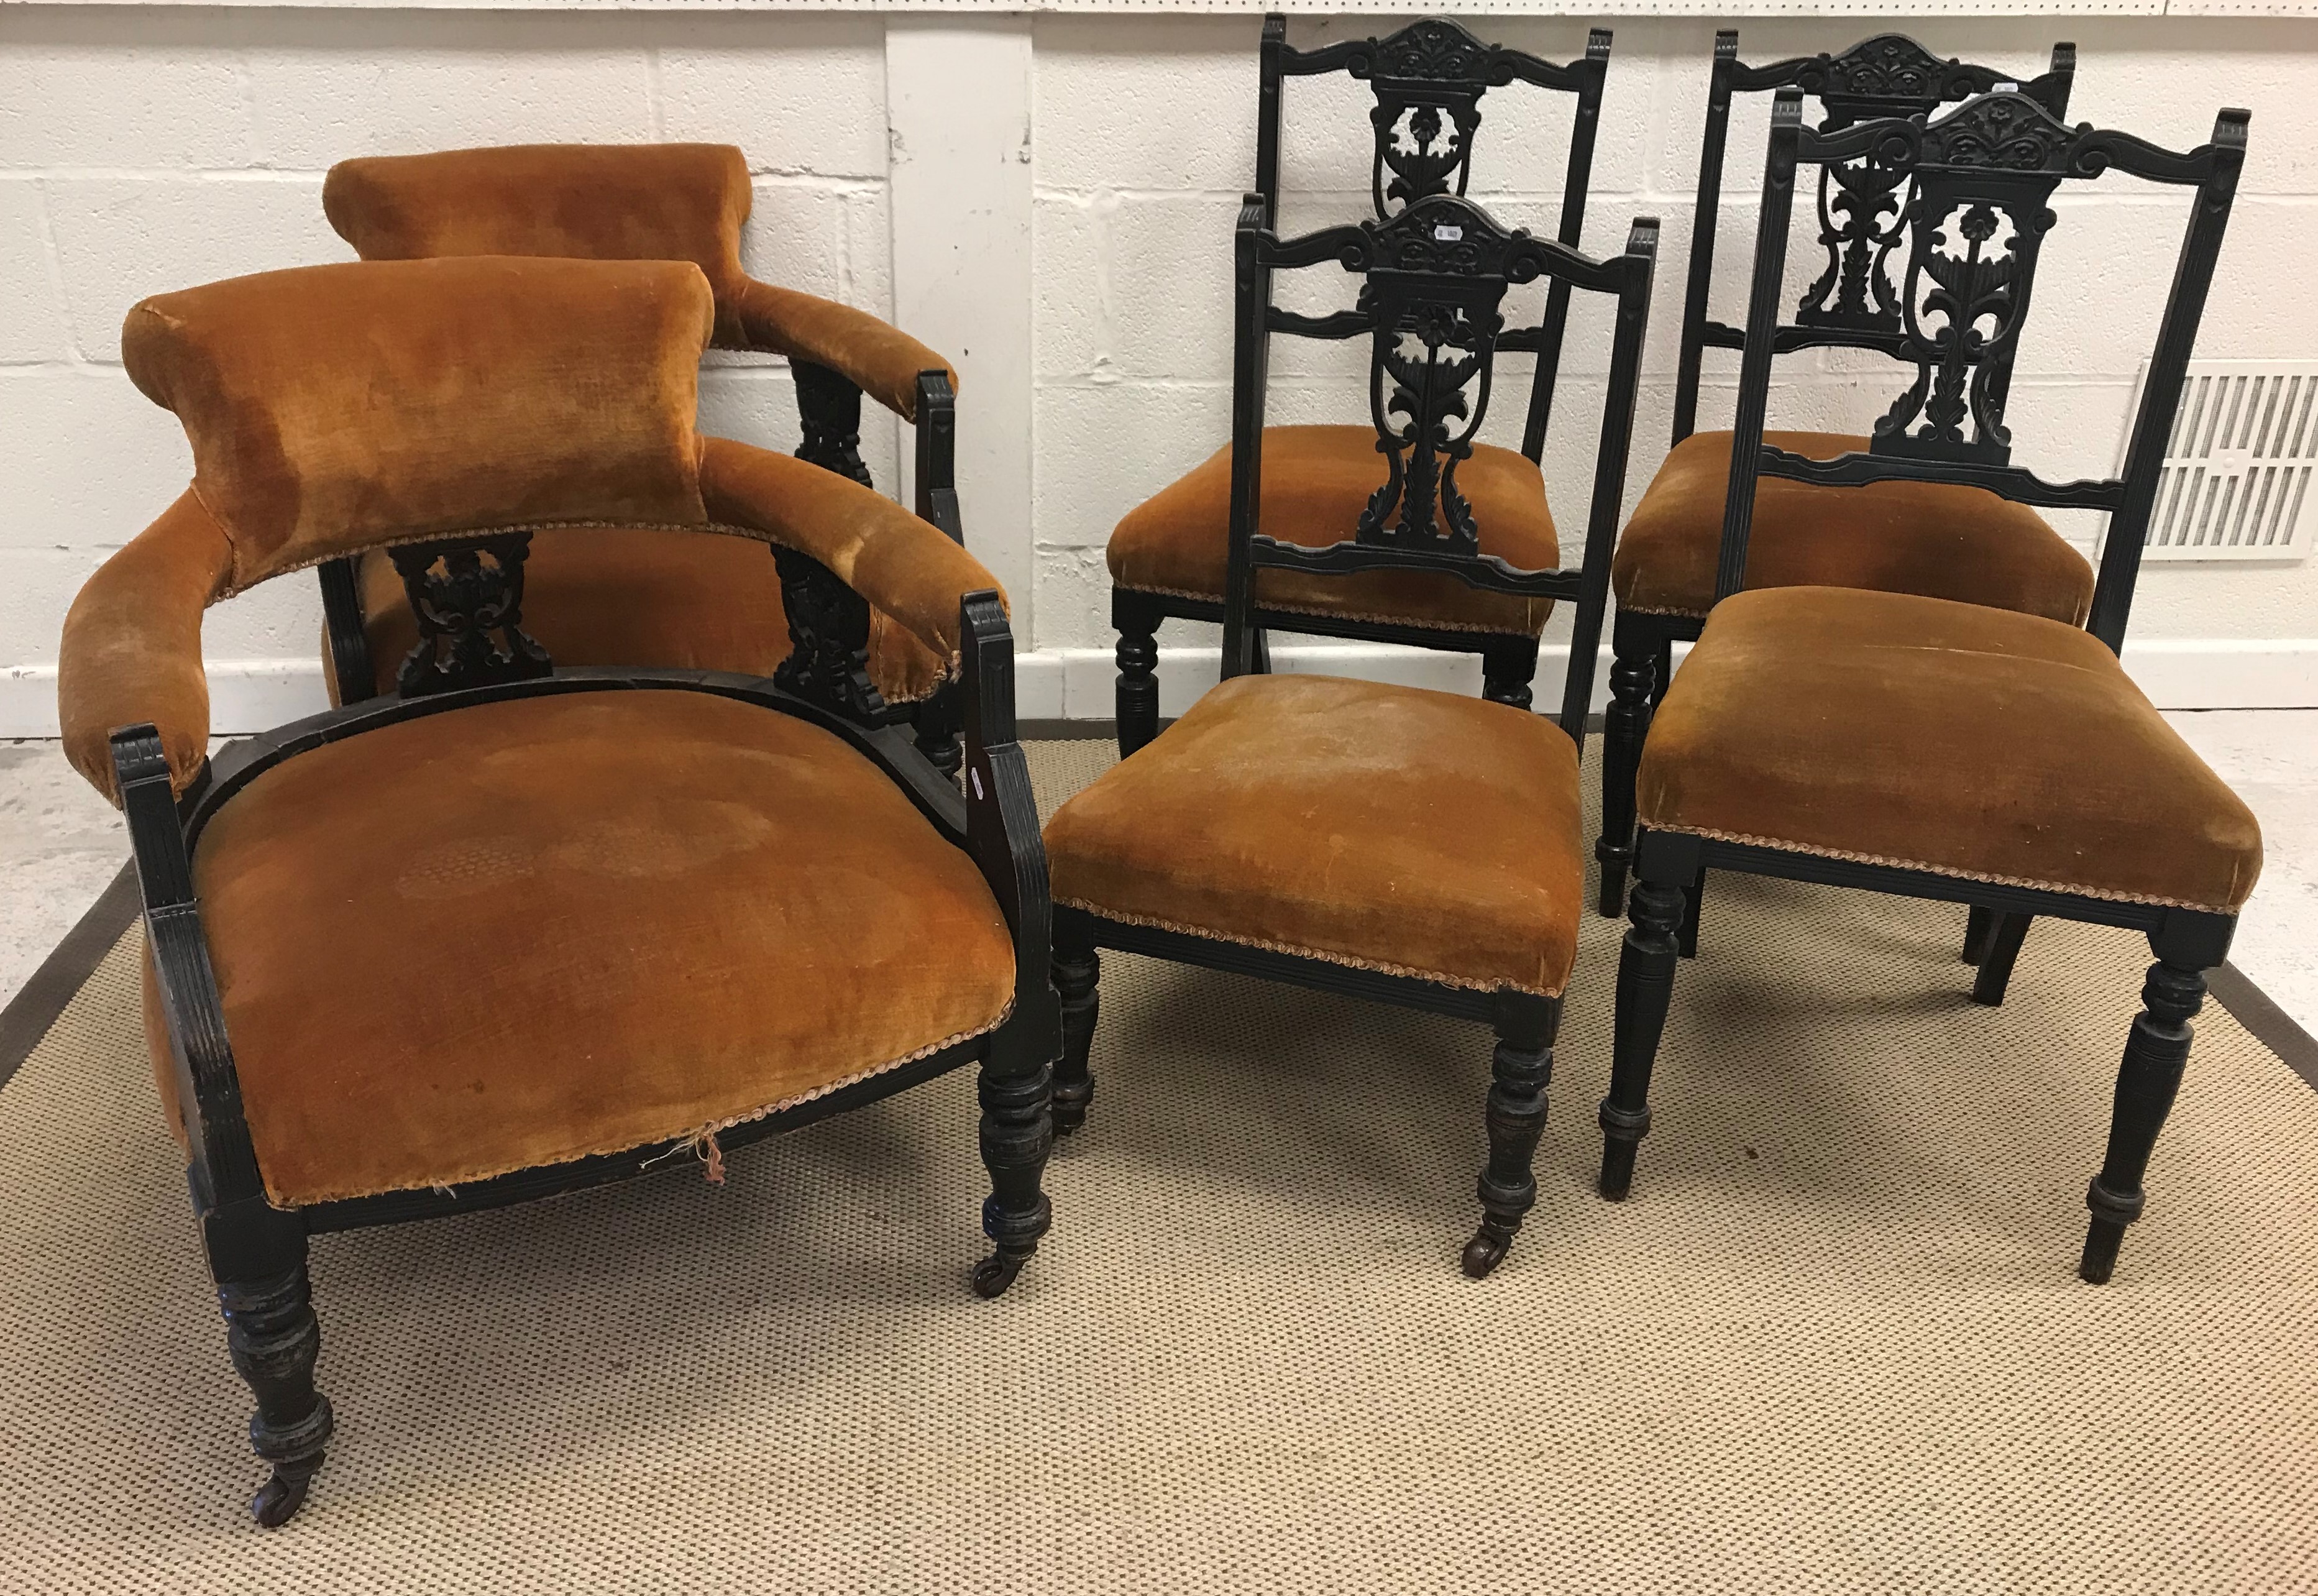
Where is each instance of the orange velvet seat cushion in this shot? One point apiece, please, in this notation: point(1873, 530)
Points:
point(1391, 828)
point(1934, 539)
point(1316, 480)
point(571, 924)
point(1945, 737)
point(653, 597)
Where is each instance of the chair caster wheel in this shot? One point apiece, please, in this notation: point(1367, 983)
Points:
point(1486, 1252)
point(993, 1274)
point(278, 1500)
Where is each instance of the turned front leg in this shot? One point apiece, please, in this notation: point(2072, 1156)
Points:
point(1521, 1069)
point(1633, 672)
point(2156, 1051)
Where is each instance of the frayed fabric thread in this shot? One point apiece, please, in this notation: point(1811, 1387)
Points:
point(703, 1145)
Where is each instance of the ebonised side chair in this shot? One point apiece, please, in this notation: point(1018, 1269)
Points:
point(1934, 539)
point(512, 930)
point(639, 595)
point(1389, 843)
point(1168, 556)
point(1924, 747)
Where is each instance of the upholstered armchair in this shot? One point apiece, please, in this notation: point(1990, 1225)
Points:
point(511, 929)
point(624, 597)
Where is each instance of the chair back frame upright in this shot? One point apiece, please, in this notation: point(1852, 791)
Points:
point(1852, 302)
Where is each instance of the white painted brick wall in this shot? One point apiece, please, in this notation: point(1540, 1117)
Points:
point(145, 147)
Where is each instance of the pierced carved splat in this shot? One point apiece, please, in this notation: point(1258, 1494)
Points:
point(1437, 274)
point(1861, 202)
point(829, 640)
point(1983, 176)
point(1428, 79)
point(467, 597)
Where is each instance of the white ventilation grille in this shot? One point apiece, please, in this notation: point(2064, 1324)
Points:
point(2237, 467)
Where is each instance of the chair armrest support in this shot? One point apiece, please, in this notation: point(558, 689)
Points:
point(223, 1162)
point(1001, 826)
point(937, 462)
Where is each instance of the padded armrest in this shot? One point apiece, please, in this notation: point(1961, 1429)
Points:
point(904, 566)
point(132, 645)
point(882, 361)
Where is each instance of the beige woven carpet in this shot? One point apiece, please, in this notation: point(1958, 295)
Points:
point(1835, 1342)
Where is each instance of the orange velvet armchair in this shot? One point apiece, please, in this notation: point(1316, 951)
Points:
point(513, 929)
point(629, 597)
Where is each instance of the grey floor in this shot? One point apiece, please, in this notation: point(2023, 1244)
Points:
point(61, 845)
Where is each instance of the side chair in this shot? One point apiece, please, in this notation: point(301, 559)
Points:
point(1168, 556)
point(1931, 749)
point(511, 929)
point(633, 595)
point(1403, 846)
point(1936, 539)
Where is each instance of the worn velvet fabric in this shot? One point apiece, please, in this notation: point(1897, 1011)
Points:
point(563, 926)
point(899, 562)
point(1946, 737)
point(1396, 828)
point(1316, 480)
point(1936, 539)
point(132, 645)
point(617, 201)
point(612, 596)
point(331, 408)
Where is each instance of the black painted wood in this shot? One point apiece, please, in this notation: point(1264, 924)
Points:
point(1851, 303)
point(1428, 81)
point(257, 1251)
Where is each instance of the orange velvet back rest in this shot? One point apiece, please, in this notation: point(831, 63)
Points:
point(341, 408)
point(596, 201)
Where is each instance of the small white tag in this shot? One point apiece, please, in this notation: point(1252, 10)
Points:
point(1448, 235)
point(976, 776)
point(2006, 88)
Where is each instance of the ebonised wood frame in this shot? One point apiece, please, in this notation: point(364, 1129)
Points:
point(1428, 79)
point(1852, 304)
point(1436, 273)
point(257, 1253)
point(1981, 177)
point(829, 405)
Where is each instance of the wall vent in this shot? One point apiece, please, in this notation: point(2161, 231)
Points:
point(2237, 467)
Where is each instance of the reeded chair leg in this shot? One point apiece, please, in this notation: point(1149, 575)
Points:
point(1506, 671)
point(1646, 966)
point(1997, 954)
point(1976, 927)
point(2156, 1051)
point(1077, 972)
point(1522, 1068)
point(1633, 671)
point(1017, 1133)
point(1138, 695)
point(257, 1256)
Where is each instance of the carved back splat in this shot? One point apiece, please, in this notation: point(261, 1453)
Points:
point(1853, 300)
point(1435, 275)
point(1982, 179)
point(467, 597)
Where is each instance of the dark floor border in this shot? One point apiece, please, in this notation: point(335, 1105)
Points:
point(2271, 1026)
point(35, 1008)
